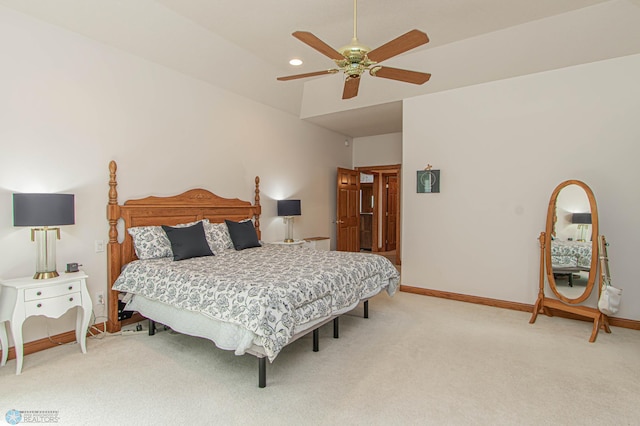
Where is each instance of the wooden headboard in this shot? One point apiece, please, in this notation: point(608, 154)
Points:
point(189, 206)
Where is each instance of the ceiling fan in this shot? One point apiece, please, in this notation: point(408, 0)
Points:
point(355, 58)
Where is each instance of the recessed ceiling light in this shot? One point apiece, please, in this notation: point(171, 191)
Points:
point(295, 62)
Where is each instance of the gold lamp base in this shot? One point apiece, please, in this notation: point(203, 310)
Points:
point(45, 275)
point(288, 237)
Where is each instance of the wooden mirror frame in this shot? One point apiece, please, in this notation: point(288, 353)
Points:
point(571, 307)
point(551, 219)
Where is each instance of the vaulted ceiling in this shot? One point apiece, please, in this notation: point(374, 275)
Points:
point(242, 46)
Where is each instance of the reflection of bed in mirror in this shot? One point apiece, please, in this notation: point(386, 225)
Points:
point(569, 257)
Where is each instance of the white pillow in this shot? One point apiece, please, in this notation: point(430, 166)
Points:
point(150, 242)
point(218, 236)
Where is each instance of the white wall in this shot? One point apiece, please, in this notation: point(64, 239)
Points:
point(69, 105)
point(502, 148)
point(379, 150)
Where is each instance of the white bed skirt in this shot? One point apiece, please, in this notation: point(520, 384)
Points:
point(224, 335)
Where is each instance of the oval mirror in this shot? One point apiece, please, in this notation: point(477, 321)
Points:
point(571, 241)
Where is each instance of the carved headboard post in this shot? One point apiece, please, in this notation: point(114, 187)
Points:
point(113, 209)
point(258, 208)
point(113, 250)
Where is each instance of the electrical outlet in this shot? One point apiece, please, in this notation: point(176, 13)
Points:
point(99, 246)
point(100, 298)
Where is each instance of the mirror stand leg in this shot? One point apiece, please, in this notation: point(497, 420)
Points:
point(537, 308)
point(600, 321)
point(605, 323)
point(596, 327)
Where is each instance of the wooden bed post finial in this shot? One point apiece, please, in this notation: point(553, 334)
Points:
point(257, 199)
point(257, 204)
point(112, 208)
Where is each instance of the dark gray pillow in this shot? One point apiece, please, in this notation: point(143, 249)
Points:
point(188, 242)
point(243, 234)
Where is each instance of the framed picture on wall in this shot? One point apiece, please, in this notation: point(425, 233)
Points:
point(428, 181)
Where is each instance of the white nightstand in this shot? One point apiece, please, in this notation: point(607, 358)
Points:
point(319, 243)
point(296, 243)
point(22, 298)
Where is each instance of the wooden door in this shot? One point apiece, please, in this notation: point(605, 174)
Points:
point(348, 210)
point(391, 215)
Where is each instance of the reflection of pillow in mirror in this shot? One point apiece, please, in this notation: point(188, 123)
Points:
point(188, 242)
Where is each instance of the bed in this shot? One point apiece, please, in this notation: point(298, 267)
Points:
point(246, 296)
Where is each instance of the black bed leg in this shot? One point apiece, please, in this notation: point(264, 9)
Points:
point(262, 372)
point(336, 328)
point(366, 309)
point(152, 328)
point(316, 340)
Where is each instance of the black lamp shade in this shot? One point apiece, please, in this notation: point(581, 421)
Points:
point(43, 209)
point(289, 208)
point(581, 218)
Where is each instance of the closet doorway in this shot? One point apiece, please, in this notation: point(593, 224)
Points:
point(380, 210)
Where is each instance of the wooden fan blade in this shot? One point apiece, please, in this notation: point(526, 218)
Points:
point(407, 76)
point(351, 85)
point(405, 42)
point(305, 75)
point(319, 45)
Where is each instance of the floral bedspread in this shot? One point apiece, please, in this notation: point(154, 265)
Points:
point(570, 254)
point(268, 290)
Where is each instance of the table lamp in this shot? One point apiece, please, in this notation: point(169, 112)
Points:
point(44, 213)
point(288, 209)
point(583, 220)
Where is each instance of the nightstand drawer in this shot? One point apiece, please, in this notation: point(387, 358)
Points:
point(51, 291)
point(53, 307)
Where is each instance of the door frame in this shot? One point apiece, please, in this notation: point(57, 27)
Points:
point(378, 172)
point(384, 189)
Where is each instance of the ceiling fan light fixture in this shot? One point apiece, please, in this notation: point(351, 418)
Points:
point(354, 70)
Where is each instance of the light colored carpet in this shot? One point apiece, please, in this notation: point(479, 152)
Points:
point(580, 280)
point(416, 360)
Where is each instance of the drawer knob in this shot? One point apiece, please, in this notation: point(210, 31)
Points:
point(71, 299)
point(70, 287)
point(39, 305)
point(39, 293)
